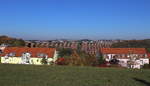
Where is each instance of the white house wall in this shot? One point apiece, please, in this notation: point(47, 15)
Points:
point(18, 60)
point(145, 60)
point(55, 57)
point(11, 60)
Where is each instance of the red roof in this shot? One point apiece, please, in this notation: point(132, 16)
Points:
point(33, 51)
point(123, 50)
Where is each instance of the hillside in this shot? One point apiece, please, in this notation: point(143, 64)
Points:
point(132, 44)
point(26, 75)
point(11, 41)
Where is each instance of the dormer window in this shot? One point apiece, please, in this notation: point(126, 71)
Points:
point(41, 55)
point(12, 54)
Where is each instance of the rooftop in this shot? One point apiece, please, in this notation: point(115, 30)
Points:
point(123, 51)
point(33, 51)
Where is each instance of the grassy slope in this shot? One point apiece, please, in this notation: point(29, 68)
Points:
point(26, 75)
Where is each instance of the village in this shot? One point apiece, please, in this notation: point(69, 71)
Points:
point(134, 58)
point(74, 42)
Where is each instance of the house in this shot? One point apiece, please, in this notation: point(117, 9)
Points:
point(128, 57)
point(24, 55)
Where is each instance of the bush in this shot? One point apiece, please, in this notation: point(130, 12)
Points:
point(44, 60)
point(115, 65)
point(132, 44)
point(75, 58)
point(146, 66)
point(114, 61)
point(61, 61)
point(12, 41)
point(65, 52)
point(77, 61)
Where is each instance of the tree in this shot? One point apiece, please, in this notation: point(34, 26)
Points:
point(44, 60)
point(12, 41)
point(18, 42)
point(65, 52)
point(114, 61)
point(132, 60)
point(100, 59)
point(75, 58)
point(148, 49)
point(132, 44)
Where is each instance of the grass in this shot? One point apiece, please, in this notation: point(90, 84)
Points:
point(27, 75)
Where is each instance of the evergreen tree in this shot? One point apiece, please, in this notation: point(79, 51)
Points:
point(100, 59)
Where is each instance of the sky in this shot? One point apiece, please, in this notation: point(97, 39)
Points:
point(75, 19)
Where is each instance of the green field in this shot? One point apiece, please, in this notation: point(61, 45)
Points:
point(27, 75)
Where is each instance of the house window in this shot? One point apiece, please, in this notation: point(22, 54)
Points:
point(1, 51)
point(141, 55)
point(41, 55)
point(12, 54)
point(123, 55)
point(119, 55)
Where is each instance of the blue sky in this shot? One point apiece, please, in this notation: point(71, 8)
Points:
point(75, 19)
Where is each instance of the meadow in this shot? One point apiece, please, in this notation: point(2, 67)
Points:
point(29, 75)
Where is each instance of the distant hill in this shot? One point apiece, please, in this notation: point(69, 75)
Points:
point(133, 44)
point(14, 42)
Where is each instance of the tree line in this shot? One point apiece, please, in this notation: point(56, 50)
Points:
point(13, 42)
point(133, 44)
point(76, 57)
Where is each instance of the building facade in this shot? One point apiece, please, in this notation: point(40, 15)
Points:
point(90, 47)
point(16, 55)
point(137, 57)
